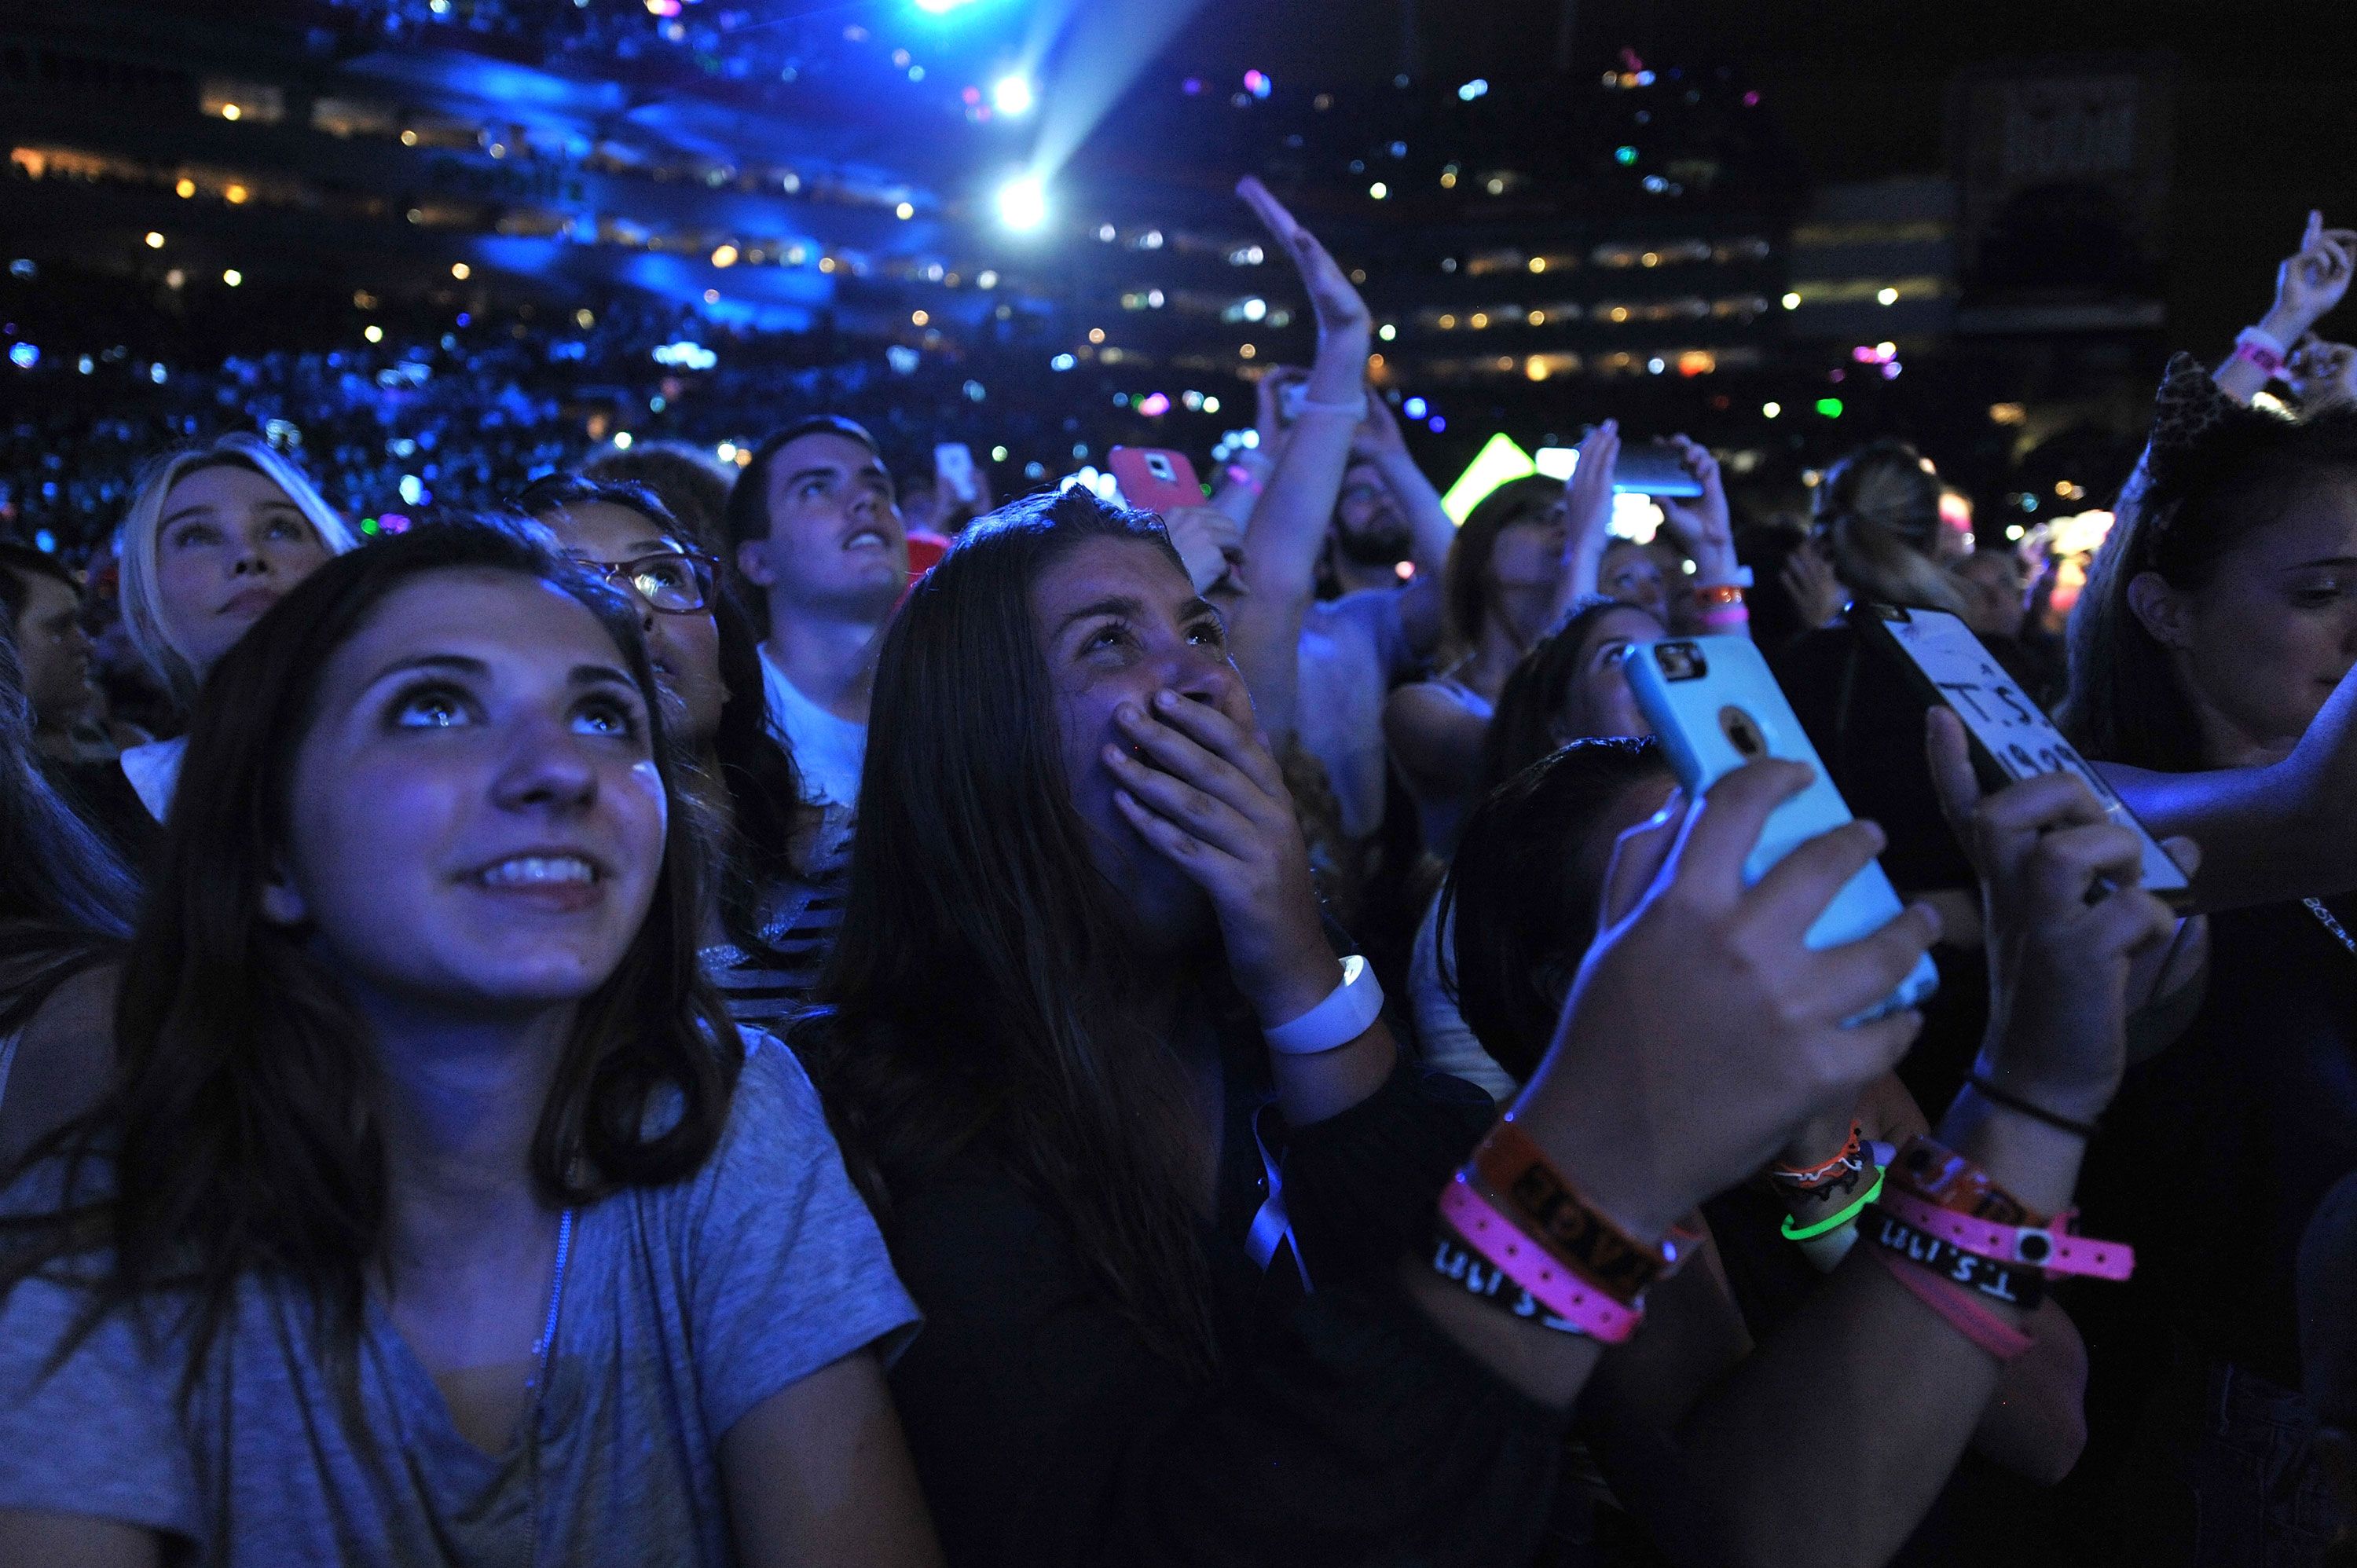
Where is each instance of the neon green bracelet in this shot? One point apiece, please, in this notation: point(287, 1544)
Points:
point(1809, 1232)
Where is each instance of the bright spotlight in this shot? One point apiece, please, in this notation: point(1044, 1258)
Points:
point(1023, 203)
point(1011, 95)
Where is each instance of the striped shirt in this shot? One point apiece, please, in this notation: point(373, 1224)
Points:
point(800, 920)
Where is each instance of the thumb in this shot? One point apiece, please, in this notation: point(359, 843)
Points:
point(1952, 770)
point(2186, 852)
point(1639, 857)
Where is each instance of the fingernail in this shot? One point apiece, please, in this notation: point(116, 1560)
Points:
point(1166, 699)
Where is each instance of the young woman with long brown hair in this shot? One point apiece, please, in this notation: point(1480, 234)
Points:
point(775, 891)
point(438, 1210)
point(1063, 1021)
point(2211, 659)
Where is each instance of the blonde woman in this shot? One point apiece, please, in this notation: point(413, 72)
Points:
point(215, 535)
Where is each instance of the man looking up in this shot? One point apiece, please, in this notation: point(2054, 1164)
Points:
point(817, 536)
point(1371, 535)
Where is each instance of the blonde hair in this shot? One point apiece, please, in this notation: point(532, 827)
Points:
point(143, 603)
point(1879, 508)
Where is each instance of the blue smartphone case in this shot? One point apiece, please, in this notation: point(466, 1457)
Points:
point(1714, 706)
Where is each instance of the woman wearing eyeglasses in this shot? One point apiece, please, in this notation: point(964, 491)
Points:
point(780, 860)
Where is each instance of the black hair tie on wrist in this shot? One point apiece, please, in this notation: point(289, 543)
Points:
point(2035, 1112)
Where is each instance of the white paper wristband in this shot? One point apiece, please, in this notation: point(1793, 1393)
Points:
point(1355, 407)
point(2264, 340)
point(1348, 1012)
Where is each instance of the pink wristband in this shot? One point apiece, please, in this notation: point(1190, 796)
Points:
point(1966, 1317)
point(1727, 616)
point(2051, 1248)
point(1528, 1265)
point(2261, 350)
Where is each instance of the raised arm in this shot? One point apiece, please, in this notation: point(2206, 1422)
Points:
point(1702, 524)
point(1870, 1356)
point(2307, 286)
point(1288, 525)
point(1587, 503)
point(1700, 1033)
point(1380, 441)
point(2268, 834)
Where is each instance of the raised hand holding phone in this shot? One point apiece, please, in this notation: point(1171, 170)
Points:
point(2009, 736)
point(2066, 918)
point(1588, 507)
point(1702, 1030)
point(1378, 438)
point(1715, 707)
point(1701, 524)
point(953, 471)
point(1210, 542)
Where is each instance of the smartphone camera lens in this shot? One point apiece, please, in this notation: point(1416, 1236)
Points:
point(1681, 660)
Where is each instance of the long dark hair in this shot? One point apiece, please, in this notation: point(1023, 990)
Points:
point(2213, 471)
point(66, 901)
point(1519, 910)
point(981, 991)
point(753, 842)
point(240, 1137)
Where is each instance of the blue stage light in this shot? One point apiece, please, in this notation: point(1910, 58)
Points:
point(1011, 95)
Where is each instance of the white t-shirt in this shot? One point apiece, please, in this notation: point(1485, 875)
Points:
point(153, 770)
point(1442, 1039)
point(828, 750)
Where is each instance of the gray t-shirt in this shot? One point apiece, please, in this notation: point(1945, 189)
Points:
point(683, 1308)
point(1351, 649)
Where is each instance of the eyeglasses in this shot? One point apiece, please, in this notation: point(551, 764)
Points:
point(674, 582)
